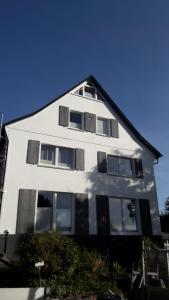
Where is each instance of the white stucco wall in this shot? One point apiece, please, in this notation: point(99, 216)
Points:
point(44, 127)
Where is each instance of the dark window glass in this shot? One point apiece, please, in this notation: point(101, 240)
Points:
point(65, 158)
point(89, 92)
point(48, 154)
point(75, 120)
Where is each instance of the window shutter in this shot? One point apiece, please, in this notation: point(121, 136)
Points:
point(90, 122)
point(103, 217)
point(102, 162)
point(114, 128)
point(145, 217)
point(109, 127)
point(79, 159)
point(81, 214)
point(138, 168)
point(63, 116)
point(26, 211)
point(33, 152)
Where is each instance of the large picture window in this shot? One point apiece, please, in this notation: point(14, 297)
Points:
point(119, 166)
point(122, 215)
point(54, 211)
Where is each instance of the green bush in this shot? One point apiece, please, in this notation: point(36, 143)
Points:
point(68, 270)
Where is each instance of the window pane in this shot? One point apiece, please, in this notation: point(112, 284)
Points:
point(113, 165)
point(44, 211)
point(48, 154)
point(45, 199)
point(79, 92)
point(99, 97)
point(102, 126)
point(129, 215)
point(75, 120)
point(64, 211)
point(65, 158)
point(125, 167)
point(89, 92)
point(115, 215)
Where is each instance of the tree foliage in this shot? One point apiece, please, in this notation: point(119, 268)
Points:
point(164, 217)
point(68, 270)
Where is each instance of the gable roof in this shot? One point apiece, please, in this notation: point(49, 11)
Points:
point(92, 79)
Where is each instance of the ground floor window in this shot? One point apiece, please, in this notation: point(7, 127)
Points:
point(54, 211)
point(122, 215)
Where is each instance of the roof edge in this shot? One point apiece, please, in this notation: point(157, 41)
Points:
point(110, 101)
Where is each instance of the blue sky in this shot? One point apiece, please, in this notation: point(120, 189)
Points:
point(48, 46)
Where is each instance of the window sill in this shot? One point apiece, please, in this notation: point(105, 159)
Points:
point(127, 233)
point(104, 135)
point(121, 176)
point(55, 167)
point(93, 99)
point(76, 129)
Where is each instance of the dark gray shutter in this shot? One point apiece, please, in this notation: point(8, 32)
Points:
point(109, 127)
point(79, 159)
point(26, 211)
point(138, 168)
point(90, 122)
point(81, 214)
point(83, 125)
point(103, 218)
point(102, 162)
point(114, 128)
point(145, 217)
point(63, 116)
point(33, 152)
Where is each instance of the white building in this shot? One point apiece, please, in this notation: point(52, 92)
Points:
point(78, 165)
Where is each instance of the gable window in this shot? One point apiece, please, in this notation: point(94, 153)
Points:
point(89, 92)
point(122, 215)
point(54, 211)
point(102, 126)
point(75, 120)
point(119, 166)
point(57, 156)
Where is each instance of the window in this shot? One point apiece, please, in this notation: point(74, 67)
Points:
point(64, 211)
point(54, 211)
point(102, 126)
point(57, 156)
point(75, 120)
point(48, 154)
point(119, 166)
point(65, 158)
point(89, 91)
point(122, 215)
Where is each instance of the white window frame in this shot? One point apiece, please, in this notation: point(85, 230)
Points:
point(82, 120)
point(56, 163)
point(120, 158)
point(124, 231)
point(108, 124)
point(54, 227)
point(96, 93)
